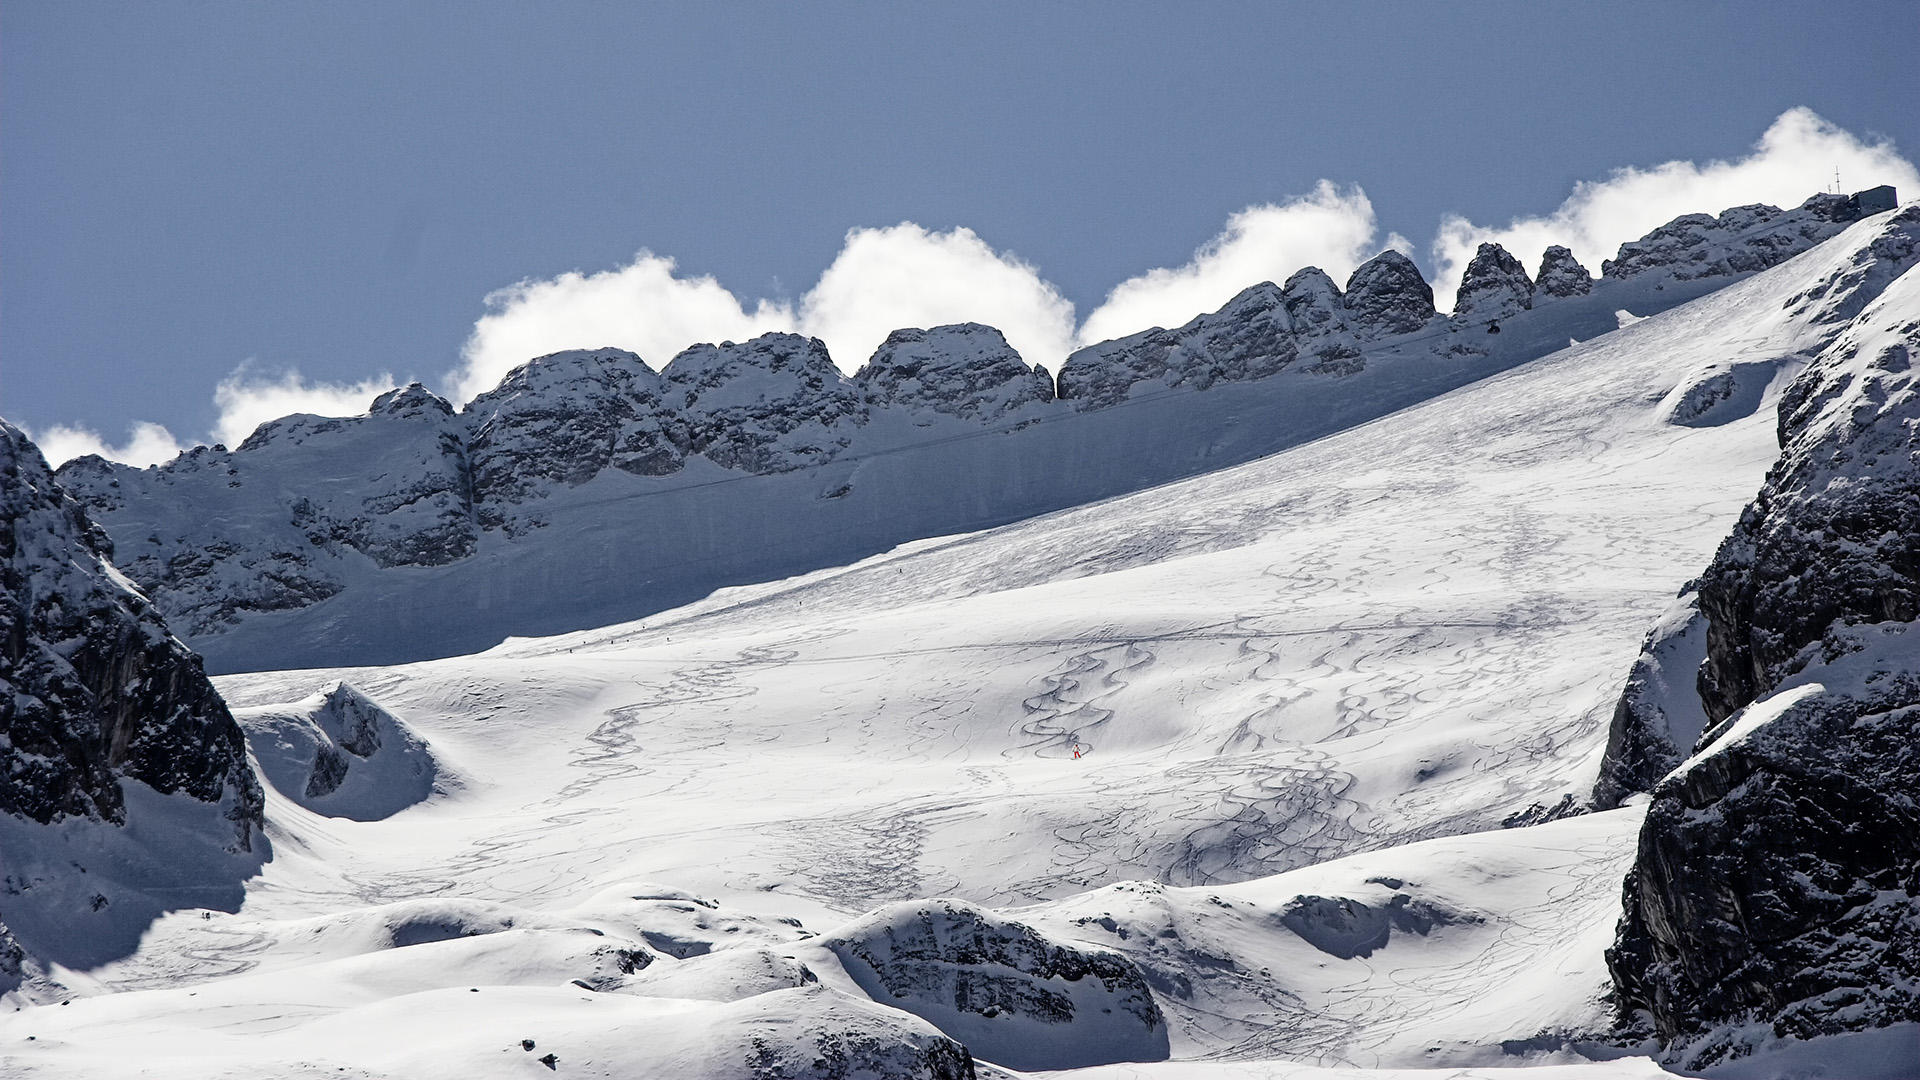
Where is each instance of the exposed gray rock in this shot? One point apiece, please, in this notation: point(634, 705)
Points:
point(1343, 927)
point(1011, 995)
point(1561, 275)
point(1778, 878)
point(1495, 286)
point(1658, 717)
point(965, 370)
point(124, 782)
point(1386, 295)
point(93, 689)
point(561, 419)
point(772, 404)
point(1741, 240)
point(1249, 338)
point(1313, 304)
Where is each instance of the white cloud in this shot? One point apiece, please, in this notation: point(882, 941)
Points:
point(247, 400)
point(147, 444)
point(882, 280)
point(886, 279)
point(1331, 229)
point(1795, 158)
point(641, 307)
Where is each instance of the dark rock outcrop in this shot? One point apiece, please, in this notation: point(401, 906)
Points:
point(772, 404)
point(1561, 275)
point(93, 689)
point(965, 370)
point(1386, 295)
point(1010, 994)
point(1495, 286)
point(1741, 240)
point(561, 419)
point(1249, 338)
point(1313, 303)
point(1778, 876)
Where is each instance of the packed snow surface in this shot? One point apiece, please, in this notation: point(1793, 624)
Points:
point(1248, 738)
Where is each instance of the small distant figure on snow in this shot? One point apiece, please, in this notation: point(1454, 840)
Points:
point(1076, 751)
point(1493, 326)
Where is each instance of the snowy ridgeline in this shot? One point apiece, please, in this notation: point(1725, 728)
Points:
point(587, 488)
point(1220, 769)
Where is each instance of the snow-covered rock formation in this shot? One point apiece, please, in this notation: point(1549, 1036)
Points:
point(1777, 888)
point(1002, 988)
point(1740, 240)
point(341, 754)
point(111, 738)
point(1495, 286)
point(588, 488)
point(1561, 275)
point(966, 370)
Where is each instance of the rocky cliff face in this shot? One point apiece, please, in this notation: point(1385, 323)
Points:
point(1741, 240)
point(1250, 338)
point(96, 690)
point(1495, 286)
point(1561, 275)
point(1386, 296)
point(1777, 887)
point(109, 731)
point(772, 404)
point(967, 370)
point(560, 420)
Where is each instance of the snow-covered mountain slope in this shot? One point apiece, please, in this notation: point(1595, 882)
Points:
point(1346, 665)
point(588, 489)
point(1777, 890)
point(124, 786)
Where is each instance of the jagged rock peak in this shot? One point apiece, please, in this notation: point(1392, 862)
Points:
point(1313, 303)
point(93, 689)
point(1249, 338)
point(767, 405)
point(1561, 275)
point(965, 370)
point(561, 419)
point(1494, 287)
point(409, 401)
point(1386, 295)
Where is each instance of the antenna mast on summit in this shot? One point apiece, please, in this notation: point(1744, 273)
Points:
point(1836, 179)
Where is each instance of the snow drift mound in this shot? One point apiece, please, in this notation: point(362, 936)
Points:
point(1777, 890)
point(126, 788)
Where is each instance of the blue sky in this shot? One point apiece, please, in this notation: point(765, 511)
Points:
point(191, 190)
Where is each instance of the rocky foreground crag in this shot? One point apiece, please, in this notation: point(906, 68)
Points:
point(95, 697)
point(1777, 888)
point(944, 430)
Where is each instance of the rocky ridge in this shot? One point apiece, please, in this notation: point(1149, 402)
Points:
point(1777, 888)
point(309, 508)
